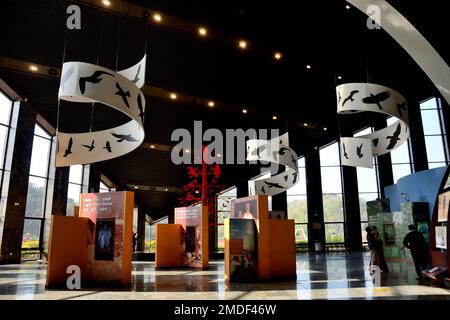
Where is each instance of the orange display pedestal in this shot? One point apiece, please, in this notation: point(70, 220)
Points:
point(184, 243)
point(274, 243)
point(98, 241)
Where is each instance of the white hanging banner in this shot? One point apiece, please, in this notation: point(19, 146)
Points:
point(88, 83)
point(360, 97)
point(276, 151)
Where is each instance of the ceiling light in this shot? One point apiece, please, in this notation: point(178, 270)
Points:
point(211, 104)
point(202, 31)
point(166, 189)
point(157, 17)
point(305, 124)
point(152, 146)
point(219, 155)
point(244, 110)
point(173, 96)
point(106, 3)
point(308, 66)
point(33, 68)
point(242, 44)
point(339, 78)
point(325, 129)
point(135, 187)
point(274, 117)
point(187, 150)
point(277, 56)
point(347, 7)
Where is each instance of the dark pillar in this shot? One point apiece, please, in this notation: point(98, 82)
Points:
point(140, 230)
point(92, 177)
point(418, 148)
point(21, 134)
point(242, 190)
point(316, 227)
point(445, 116)
point(385, 175)
point(61, 185)
point(279, 202)
point(352, 214)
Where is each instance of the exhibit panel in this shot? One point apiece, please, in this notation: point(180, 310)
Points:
point(99, 241)
point(169, 251)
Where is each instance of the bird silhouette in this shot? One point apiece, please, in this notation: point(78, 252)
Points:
point(124, 137)
point(345, 151)
point(394, 138)
point(375, 142)
point(401, 107)
point(66, 76)
point(295, 175)
point(274, 185)
point(350, 97)
point(108, 146)
point(339, 97)
point(359, 151)
point(263, 189)
point(69, 148)
point(258, 150)
point(141, 108)
point(124, 95)
point(90, 147)
point(136, 77)
point(377, 98)
point(294, 161)
point(286, 178)
point(94, 78)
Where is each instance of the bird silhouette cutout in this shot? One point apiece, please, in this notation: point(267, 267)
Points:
point(345, 151)
point(90, 147)
point(359, 151)
point(69, 148)
point(401, 107)
point(124, 137)
point(263, 189)
point(350, 97)
point(108, 146)
point(94, 78)
point(294, 161)
point(258, 150)
point(295, 175)
point(286, 178)
point(394, 138)
point(124, 95)
point(136, 77)
point(274, 185)
point(339, 97)
point(141, 108)
point(66, 76)
point(375, 142)
point(377, 98)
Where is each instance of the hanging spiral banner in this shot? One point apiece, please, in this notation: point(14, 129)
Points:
point(360, 97)
point(88, 83)
point(276, 151)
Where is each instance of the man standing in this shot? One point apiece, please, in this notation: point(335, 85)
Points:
point(371, 243)
point(415, 242)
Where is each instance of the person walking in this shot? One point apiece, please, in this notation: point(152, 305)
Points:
point(371, 243)
point(415, 242)
point(379, 250)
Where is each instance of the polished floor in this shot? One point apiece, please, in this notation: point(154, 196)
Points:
point(319, 276)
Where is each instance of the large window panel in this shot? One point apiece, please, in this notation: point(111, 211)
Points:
point(435, 149)
point(430, 122)
point(3, 140)
point(73, 197)
point(5, 109)
point(331, 180)
point(334, 232)
point(301, 233)
point(31, 234)
point(40, 156)
point(36, 197)
point(363, 198)
point(333, 208)
point(298, 208)
point(76, 174)
point(367, 179)
point(329, 156)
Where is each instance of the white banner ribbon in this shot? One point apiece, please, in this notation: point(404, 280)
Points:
point(88, 83)
point(360, 97)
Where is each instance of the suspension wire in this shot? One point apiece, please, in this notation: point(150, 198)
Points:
point(58, 107)
point(119, 28)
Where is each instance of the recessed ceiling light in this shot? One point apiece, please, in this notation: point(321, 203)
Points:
point(166, 189)
point(308, 66)
point(33, 68)
point(305, 124)
point(106, 3)
point(211, 104)
point(202, 31)
point(244, 110)
point(277, 56)
point(339, 78)
point(274, 117)
point(325, 129)
point(219, 155)
point(157, 17)
point(136, 187)
point(347, 7)
point(242, 44)
point(187, 150)
point(152, 146)
point(173, 96)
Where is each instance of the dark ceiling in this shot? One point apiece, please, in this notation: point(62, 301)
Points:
point(332, 39)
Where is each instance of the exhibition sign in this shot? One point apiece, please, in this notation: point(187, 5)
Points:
point(88, 83)
point(362, 97)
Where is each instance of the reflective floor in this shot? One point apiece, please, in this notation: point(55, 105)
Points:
point(319, 276)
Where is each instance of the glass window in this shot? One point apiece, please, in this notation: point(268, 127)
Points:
point(3, 139)
point(301, 233)
point(40, 156)
point(298, 208)
point(36, 197)
point(76, 174)
point(334, 233)
point(333, 208)
point(103, 187)
point(31, 234)
point(400, 157)
point(5, 109)
point(73, 197)
point(150, 243)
